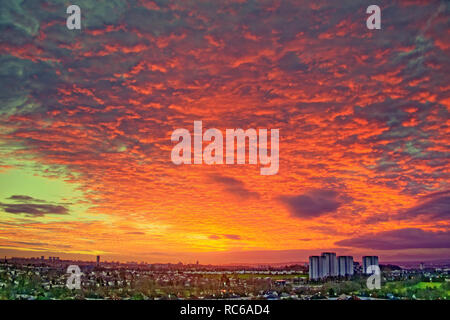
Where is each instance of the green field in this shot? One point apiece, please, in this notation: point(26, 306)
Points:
point(421, 290)
point(425, 285)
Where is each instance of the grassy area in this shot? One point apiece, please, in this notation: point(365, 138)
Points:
point(421, 289)
point(425, 285)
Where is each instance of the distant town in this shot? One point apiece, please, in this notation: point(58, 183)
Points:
point(326, 277)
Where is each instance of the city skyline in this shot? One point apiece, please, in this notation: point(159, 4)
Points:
point(86, 118)
point(41, 279)
point(98, 260)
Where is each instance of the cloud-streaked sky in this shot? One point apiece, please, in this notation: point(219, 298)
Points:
point(86, 118)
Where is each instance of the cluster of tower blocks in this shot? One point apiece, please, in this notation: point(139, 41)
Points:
point(328, 265)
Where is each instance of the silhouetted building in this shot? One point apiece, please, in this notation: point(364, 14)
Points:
point(315, 267)
point(369, 261)
point(98, 260)
point(329, 264)
point(324, 266)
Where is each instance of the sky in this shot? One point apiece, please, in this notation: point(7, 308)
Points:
point(86, 118)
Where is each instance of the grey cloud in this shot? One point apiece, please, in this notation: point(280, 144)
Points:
point(291, 62)
point(312, 204)
point(407, 238)
point(232, 236)
point(438, 207)
point(434, 206)
point(32, 207)
point(24, 198)
point(226, 236)
point(35, 210)
point(234, 186)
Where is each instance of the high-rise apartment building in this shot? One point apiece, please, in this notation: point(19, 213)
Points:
point(315, 267)
point(345, 266)
point(330, 265)
point(369, 261)
point(323, 266)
